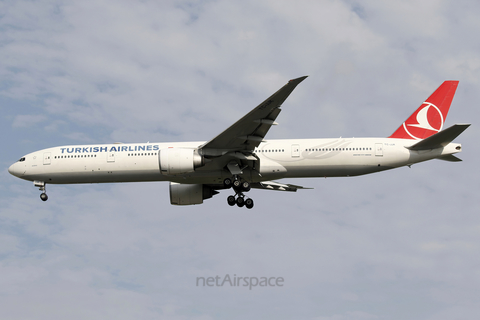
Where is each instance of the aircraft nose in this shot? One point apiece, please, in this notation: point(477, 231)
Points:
point(13, 170)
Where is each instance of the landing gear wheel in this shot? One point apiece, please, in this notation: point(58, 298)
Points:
point(249, 203)
point(245, 186)
point(227, 183)
point(236, 184)
point(240, 202)
point(231, 200)
point(44, 197)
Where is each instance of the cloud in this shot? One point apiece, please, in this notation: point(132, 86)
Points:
point(24, 121)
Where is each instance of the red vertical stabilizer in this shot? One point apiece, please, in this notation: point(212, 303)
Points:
point(428, 119)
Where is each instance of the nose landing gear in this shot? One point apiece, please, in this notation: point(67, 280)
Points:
point(239, 198)
point(43, 196)
point(42, 187)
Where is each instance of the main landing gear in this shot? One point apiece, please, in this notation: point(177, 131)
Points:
point(239, 187)
point(42, 187)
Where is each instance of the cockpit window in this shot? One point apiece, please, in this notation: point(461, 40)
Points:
point(21, 159)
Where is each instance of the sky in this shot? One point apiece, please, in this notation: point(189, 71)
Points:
point(400, 244)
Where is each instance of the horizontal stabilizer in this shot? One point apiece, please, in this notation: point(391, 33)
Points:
point(449, 157)
point(271, 185)
point(440, 139)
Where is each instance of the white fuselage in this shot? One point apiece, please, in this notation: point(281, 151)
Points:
point(277, 158)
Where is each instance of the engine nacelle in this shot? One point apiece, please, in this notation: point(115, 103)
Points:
point(174, 161)
point(186, 194)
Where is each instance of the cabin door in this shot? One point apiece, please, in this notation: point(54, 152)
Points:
point(47, 158)
point(295, 150)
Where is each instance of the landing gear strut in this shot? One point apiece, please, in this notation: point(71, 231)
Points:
point(42, 187)
point(239, 187)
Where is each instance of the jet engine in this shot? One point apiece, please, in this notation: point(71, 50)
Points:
point(186, 194)
point(174, 161)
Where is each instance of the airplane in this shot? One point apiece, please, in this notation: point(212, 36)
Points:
point(240, 158)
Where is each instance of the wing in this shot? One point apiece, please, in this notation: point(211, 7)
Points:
point(272, 185)
point(249, 131)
